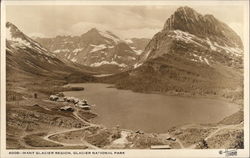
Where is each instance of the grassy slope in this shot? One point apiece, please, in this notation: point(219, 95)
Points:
point(157, 76)
point(174, 73)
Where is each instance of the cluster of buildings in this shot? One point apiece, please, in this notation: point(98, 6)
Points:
point(81, 103)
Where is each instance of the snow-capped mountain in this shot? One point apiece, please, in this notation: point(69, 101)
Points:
point(16, 39)
point(22, 48)
point(193, 53)
point(96, 48)
point(209, 40)
point(26, 56)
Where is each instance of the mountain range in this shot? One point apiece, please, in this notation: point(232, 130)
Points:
point(95, 48)
point(193, 54)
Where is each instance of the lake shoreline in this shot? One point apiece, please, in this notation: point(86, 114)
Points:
point(97, 120)
point(210, 133)
point(172, 94)
point(32, 136)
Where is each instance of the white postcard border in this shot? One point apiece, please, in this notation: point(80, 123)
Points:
point(128, 153)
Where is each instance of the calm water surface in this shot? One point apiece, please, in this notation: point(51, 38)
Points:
point(150, 112)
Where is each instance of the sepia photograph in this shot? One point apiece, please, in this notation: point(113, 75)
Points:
point(112, 78)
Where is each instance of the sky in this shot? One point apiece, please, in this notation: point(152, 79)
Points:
point(124, 21)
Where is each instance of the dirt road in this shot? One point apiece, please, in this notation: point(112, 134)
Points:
point(84, 143)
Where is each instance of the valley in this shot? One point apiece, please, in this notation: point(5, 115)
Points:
point(182, 89)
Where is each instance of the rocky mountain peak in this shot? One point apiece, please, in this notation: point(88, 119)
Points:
point(182, 16)
point(18, 40)
point(9, 24)
point(103, 35)
point(205, 26)
point(187, 12)
point(93, 30)
point(13, 32)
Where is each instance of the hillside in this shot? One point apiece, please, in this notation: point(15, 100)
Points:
point(32, 68)
point(192, 55)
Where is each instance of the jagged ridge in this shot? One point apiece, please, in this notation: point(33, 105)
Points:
point(96, 48)
point(188, 20)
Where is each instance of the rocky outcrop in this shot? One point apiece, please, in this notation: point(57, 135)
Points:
point(188, 20)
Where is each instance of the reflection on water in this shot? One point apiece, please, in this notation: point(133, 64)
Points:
point(150, 112)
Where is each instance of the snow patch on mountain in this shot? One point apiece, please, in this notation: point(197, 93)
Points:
point(18, 42)
point(132, 58)
point(74, 59)
point(111, 47)
point(231, 50)
point(200, 59)
point(77, 50)
point(98, 47)
point(146, 55)
point(128, 41)
point(69, 56)
point(211, 45)
point(205, 59)
point(204, 43)
point(108, 35)
point(137, 65)
point(61, 50)
point(186, 37)
point(138, 52)
point(97, 64)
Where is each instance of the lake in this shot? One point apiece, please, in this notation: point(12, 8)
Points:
point(150, 112)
